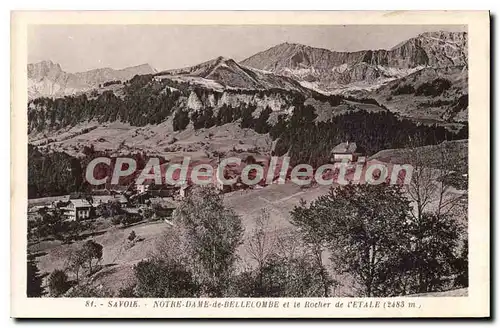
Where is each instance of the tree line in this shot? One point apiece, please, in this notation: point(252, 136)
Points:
point(307, 141)
point(143, 102)
point(57, 173)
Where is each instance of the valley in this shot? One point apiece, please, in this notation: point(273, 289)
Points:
point(290, 100)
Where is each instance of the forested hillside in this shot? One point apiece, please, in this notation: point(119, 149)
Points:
point(282, 113)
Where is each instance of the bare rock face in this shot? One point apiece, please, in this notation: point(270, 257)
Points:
point(49, 80)
point(44, 69)
point(432, 49)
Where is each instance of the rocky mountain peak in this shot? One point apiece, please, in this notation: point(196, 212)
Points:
point(48, 79)
point(333, 68)
point(141, 69)
point(43, 68)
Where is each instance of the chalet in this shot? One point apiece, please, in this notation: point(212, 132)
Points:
point(122, 200)
point(344, 151)
point(162, 190)
point(166, 202)
point(99, 200)
point(77, 209)
point(164, 206)
point(142, 188)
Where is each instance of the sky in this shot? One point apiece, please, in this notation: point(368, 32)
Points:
point(80, 48)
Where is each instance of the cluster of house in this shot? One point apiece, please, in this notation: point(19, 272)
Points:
point(80, 207)
point(131, 199)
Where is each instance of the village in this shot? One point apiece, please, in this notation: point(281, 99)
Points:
point(139, 199)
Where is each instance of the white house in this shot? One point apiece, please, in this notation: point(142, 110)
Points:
point(141, 188)
point(77, 209)
point(344, 151)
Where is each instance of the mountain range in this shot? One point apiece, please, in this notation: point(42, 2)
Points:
point(48, 79)
point(331, 69)
point(424, 77)
point(315, 68)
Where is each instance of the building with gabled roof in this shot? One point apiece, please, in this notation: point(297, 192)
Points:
point(77, 209)
point(104, 199)
point(344, 151)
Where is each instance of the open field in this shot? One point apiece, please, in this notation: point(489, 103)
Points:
point(160, 140)
point(119, 256)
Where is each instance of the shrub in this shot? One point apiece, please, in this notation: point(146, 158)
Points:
point(127, 292)
point(130, 219)
point(160, 278)
point(116, 220)
point(58, 282)
point(92, 251)
point(282, 277)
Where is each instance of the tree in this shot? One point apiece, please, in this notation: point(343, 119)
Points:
point(436, 234)
point(431, 253)
point(91, 251)
point(89, 291)
point(58, 283)
point(289, 270)
point(363, 226)
point(73, 229)
point(109, 209)
point(34, 281)
point(181, 120)
point(76, 261)
point(310, 226)
point(261, 245)
point(212, 234)
point(461, 266)
point(132, 235)
point(260, 124)
point(428, 185)
point(164, 278)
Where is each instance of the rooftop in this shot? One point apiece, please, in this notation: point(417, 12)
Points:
point(345, 148)
point(80, 202)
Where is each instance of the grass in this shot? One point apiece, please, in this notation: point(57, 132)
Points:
point(119, 257)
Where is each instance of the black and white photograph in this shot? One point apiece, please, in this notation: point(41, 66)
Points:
point(256, 162)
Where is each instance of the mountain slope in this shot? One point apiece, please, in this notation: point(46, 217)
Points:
point(48, 79)
point(226, 73)
point(428, 94)
point(331, 69)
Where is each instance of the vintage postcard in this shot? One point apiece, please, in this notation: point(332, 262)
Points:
point(250, 164)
